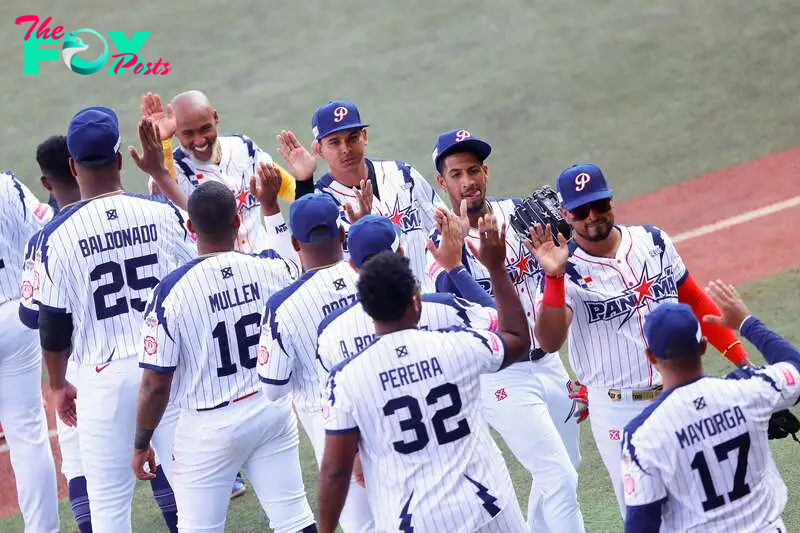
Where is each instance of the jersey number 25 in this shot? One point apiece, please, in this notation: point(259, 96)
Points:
point(415, 423)
point(117, 283)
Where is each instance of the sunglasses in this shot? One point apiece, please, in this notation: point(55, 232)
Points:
point(599, 206)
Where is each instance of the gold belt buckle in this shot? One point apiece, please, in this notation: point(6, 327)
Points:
point(637, 395)
point(615, 395)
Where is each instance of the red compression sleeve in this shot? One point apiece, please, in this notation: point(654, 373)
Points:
point(723, 339)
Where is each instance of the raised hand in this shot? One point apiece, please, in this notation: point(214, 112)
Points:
point(727, 298)
point(302, 164)
point(552, 258)
point(492, 250)
point(451, 246)
point(364, 200)
point(151, 160)
point(153, 110)
point(265, 186)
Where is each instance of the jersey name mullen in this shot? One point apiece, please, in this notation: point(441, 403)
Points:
point(660, 287)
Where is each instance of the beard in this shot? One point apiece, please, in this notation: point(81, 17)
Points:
point(600, 232)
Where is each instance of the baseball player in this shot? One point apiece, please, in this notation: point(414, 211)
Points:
point(698, 458)
point(361, 185)
point(347, 331)
point(528, 403)
point(21, 409)
point(409, 405)
point(289, 328)
point(99, 262)
point(226, 423)
point(599, 289)
point(204, 155)
point(52, 156)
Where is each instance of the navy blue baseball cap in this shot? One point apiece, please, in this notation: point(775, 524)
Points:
point(672, 325)
point(310, 214)
point(93, 136)
point(335, 116)
point(582, 184)
point(370, 235)
point(454, 141)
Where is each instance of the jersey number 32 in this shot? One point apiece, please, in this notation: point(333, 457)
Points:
point(416, 425)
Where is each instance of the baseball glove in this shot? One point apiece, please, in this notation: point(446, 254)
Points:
point(540, 207)
point(782, 424)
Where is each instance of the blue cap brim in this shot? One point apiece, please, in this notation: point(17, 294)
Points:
point(589, 198)
point(345, 127)
point(481, 150)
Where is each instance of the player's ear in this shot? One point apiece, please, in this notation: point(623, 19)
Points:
point(119, 161)
point(650, 357)
point(701, 349)
point(440, 182)
point(73, 167)
point(46, 183)
point(364, 135)
point(190, 226)
point(237, 222)
point(316, 148)
point(401, 251)
point(216, 117)
point(295, 244)
point(342, 235)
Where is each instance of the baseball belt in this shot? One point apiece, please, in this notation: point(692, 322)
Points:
point(223, 404)
point(533, 355)
point(637, 394)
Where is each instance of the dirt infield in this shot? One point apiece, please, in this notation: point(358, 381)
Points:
point(727, 224)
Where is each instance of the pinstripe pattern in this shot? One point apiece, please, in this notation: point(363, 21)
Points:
point(21, 216)
point(446, 479)
point(127, 243)
point(289, 329)
point(212, 364)
point(685, 425)
point(606, 338)
point(401, 194)
point(240, 155)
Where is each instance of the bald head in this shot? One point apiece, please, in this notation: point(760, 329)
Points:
point(196, 124)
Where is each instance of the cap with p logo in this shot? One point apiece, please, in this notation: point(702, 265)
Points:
point(335, 116)
point(582, 184)
point(459, 140)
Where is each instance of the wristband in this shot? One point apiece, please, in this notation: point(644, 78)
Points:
point(554, 292)
point(169, 163)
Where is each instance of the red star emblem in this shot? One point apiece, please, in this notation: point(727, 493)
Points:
point(643, 288)
point(522, 265)
point(241, 199)
point(396, 215)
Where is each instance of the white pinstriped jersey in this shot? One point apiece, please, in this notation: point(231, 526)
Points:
point(414, 396)
point(21, 216)
point(401, 194)
point(345, 332)
point(703, 449)
point(100, 261)
point(203, 323)
point(610, 298)
point(522, 267)
point(289, 329)
point(240, 156)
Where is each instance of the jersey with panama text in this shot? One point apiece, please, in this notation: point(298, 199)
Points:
point(289, 329)
point(204, 321)
point(414, 397)
point(100, 261)
point(21, 216)
point(240, 157)
point(346, 332)
point(703, 449)
point(401, 194)
point(610, 298)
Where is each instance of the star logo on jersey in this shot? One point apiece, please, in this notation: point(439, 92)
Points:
point(407, 219)
point(111, 214)
point(699, 403)
point(521, 267)
point(338, 284)
point(501, 394)
point(245, 200)
point(226, 273)
point(613, 434)
point(645, 290)
point(401, 351)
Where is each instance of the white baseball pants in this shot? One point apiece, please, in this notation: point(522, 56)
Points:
point(253, 434)
point(106, 427)
point(528, 404)
point(25, 424)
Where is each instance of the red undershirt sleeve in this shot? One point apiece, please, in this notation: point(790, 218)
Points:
point(723, 339)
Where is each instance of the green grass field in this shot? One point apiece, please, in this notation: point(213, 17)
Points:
point(654, 93)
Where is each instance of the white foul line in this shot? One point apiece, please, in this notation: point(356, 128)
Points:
point(4, 447)
point(738, 219)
